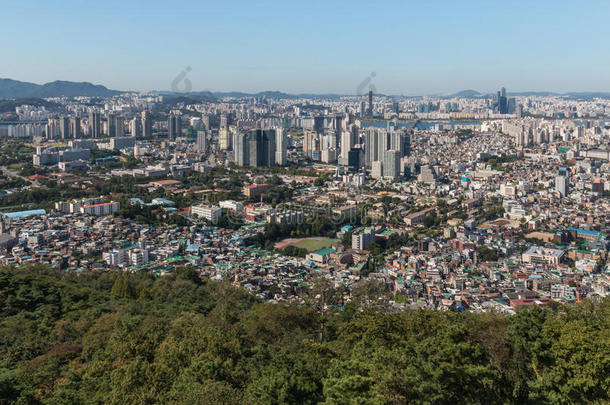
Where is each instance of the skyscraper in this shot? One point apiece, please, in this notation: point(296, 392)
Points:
point(135, 127)
point(115, 125)
point(280, 144)
point(174, 125)
point(308, 142)
point(354, 160)
point(201, 141)
point(64, 127)
point(75, 131)
point(224, 138)
point(501, 102)
point(95, 124)
point(52, 129)
point(370, 111)
point(391, 164)
point(262, 147)
point(346, 146)
point(383, 143)
point(371, 146)
point(318, 124)
point(242, 149)
point(146, 124)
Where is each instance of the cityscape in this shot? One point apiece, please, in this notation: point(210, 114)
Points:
point(374, 246)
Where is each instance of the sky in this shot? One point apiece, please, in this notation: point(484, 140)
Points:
point(400, 47)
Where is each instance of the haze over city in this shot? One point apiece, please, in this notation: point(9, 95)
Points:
point(415, 48)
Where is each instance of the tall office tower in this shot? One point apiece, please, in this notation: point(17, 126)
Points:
point(52, 129)
point(354, 160)
point(75, 131)
point(280, 145)
point(64, 127)
point(146, 124)
point(262, 147)
point(242, 149)
point(224, 138)
point(406, 145)
point(370, 111)
point(383, 143)
point(135, 127)
point(501, 102)
point(113, 125)
point(338, 124)
point(371, 146)
point(95, 124)
point(395, 107)
point(391, 164)
point(346, 146)
point(308, 142)
point(362, 108)
point(395, 140)
point(119, 124)
point(318, 124)
point(511, 105)
point(561, 185)
point(269, 146)
point(355, 134)
point(201, 141)
point(205, 122)
point(174, 125)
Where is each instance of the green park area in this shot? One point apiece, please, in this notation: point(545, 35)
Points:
point(315, 244)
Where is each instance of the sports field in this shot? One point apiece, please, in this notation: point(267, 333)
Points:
point(311, 244)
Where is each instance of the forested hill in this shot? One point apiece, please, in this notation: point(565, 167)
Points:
point(112, 338)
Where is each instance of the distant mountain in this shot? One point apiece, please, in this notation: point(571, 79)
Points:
point(533, 93)
point(16, 89)
point(467, 94)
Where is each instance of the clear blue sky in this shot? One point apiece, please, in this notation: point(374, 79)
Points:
point(414, 47)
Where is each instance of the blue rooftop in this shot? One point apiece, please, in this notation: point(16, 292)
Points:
point(584, 231)
point(23, 214)
point(323, 252)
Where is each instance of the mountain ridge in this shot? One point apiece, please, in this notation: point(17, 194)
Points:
point(12, 89)
point(15, 89)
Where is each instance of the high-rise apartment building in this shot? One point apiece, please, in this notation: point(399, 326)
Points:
point(75, 130)
point(281, 147)
point(95, 124)
point(174, 125)
point(64, 127)
point(146, 124)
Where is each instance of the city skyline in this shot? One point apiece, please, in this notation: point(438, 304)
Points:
point(402, 49)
